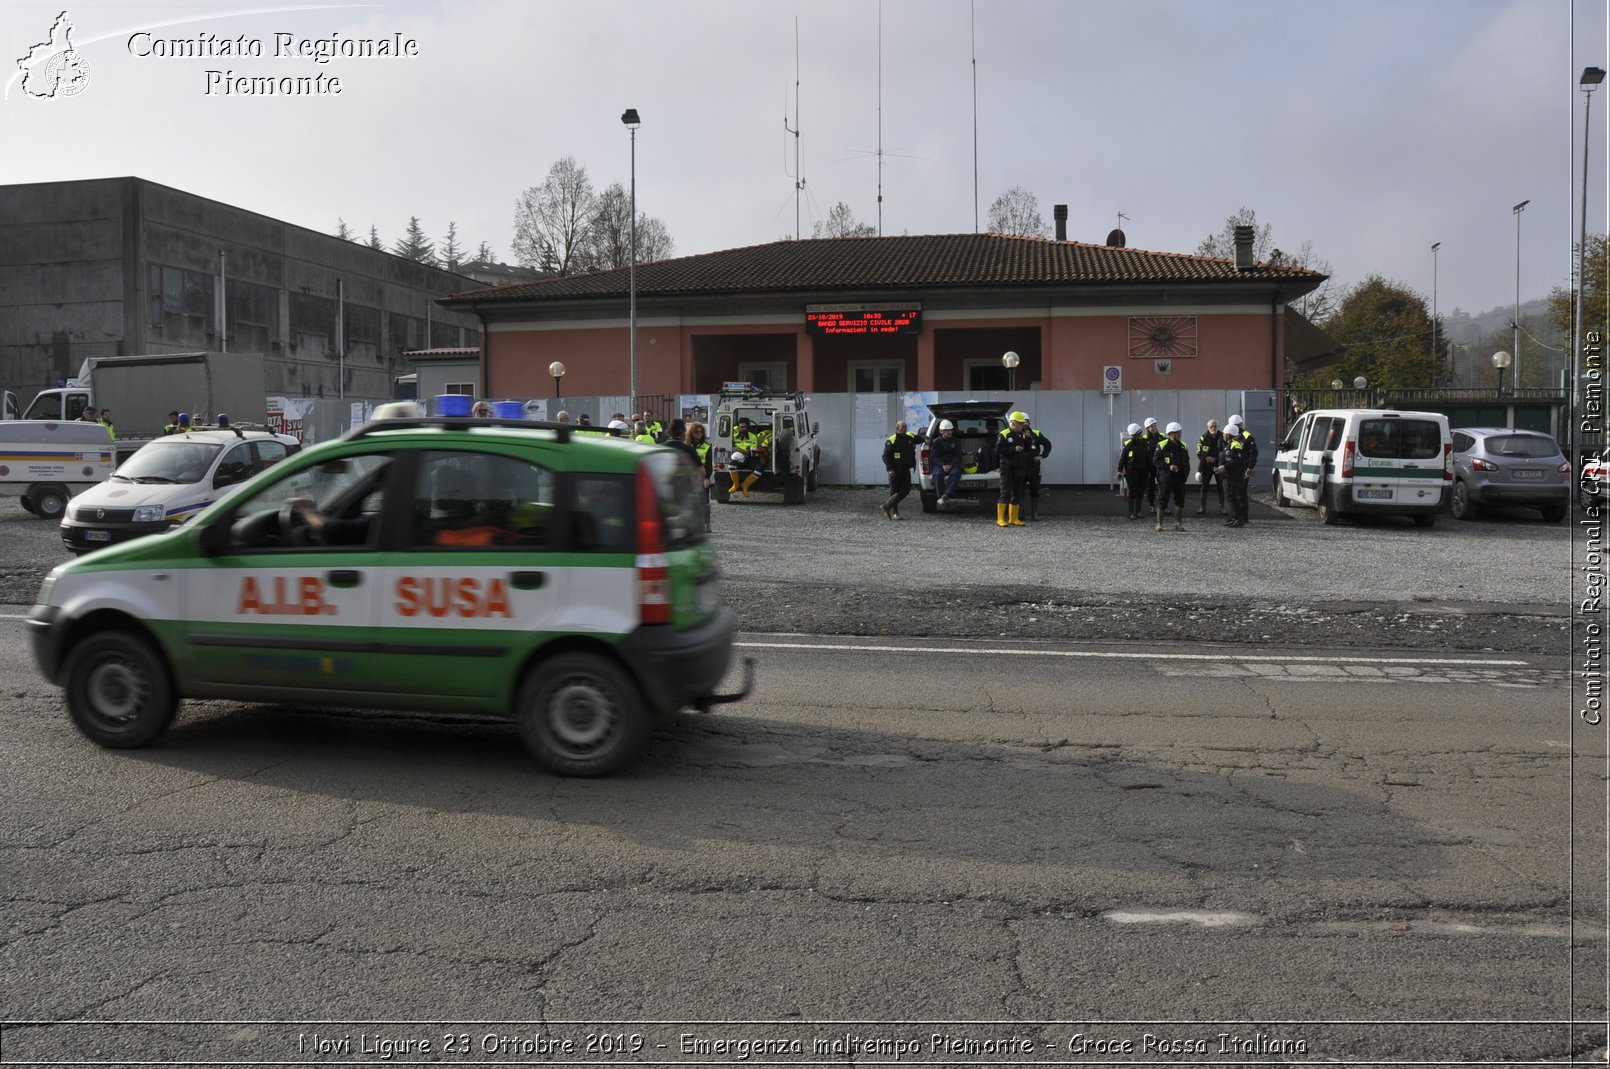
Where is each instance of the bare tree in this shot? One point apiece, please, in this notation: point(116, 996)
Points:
point(1222, 244)
point(1017, 211)
point(550, 220)
point(841, 223)
point(609, 235)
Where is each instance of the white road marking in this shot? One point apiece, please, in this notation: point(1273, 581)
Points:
point(1295, 658)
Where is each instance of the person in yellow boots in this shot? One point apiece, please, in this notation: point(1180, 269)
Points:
point(745, 446)
point(1016, 450)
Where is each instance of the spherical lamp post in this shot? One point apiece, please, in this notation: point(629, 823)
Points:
point(557, 370)
point(1010, 361)
point(1502, 361)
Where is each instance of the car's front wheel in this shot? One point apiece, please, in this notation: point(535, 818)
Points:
point(580, 714)
point(1461, 506)
point(118, 690)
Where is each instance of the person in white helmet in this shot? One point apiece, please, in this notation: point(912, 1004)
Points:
point(1153, 438)
point(1172, 462)
point(1237, 464)
point(1131, 470)
point(945, 452)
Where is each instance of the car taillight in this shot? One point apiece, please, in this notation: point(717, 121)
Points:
point(1447, 462)
point(1479, 464)
point(1564, 468)
point(924, 464)
point(653, 578)
point(1347, 459)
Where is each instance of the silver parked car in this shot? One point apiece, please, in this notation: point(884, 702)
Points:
point(1502, 466)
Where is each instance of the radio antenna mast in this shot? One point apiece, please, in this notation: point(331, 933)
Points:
point(798, 176)
point(880, 118)
point(972, 19)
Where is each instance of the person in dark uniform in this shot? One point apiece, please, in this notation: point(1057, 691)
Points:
point(1234, 467)
point(1249, 450)
point(1208, 448)
point(1016, 448)
point(1042, 449)
point(899, 457)
point(1172, 462)
point(945, 454)
point(1152, 438)
point(1132, 474)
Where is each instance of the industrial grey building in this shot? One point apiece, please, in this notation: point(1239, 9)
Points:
point(116, 266)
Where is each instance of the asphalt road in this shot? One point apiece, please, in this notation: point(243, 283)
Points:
point(1054, 837)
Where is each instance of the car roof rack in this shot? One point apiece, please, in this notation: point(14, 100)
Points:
point(562, 431)
point(732, 392)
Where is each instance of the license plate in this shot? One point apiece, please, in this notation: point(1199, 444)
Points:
point(1525, 473)
point(1373, 495)
point(97, 536)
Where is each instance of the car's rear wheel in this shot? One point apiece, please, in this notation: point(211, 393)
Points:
point(1327, 510)
point(793, 489)
point(810, 476)
point(1554, 513)
point(118, 690)
point(580, 714)
point(1461, 506)
point(49, 501)
point(930, 500)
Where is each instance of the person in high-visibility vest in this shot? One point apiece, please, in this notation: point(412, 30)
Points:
point(1172, 462)
point(745, 444)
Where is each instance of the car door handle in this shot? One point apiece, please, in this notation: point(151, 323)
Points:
point(528, 580)
point(345, 577)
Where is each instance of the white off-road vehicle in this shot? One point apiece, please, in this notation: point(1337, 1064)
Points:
point(784, 454)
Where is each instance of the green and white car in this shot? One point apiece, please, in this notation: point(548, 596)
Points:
point(439, 565)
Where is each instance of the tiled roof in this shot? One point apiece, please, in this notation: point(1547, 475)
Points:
point(823, 264)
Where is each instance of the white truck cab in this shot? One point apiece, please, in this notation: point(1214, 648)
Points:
point(167, 481)
point(1362, 461)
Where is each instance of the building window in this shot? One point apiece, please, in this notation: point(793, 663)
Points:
point(250, 305)
point(986, 376)
point(405, 332)
point(870, 377)
point(313, 315)
point(466, 388)
point(772, 377)
point(443, 335)
point(175, 291)
point(363, 324)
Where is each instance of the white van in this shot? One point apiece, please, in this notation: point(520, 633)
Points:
point(1366, 461)
point(46, 461)
point(167, 481)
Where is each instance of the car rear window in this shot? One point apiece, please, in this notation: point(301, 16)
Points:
point(1400, 439)
point(1522, 445)
point(680, 487)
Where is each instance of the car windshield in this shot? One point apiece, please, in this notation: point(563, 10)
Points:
point(1522, 445)
point(170, 462)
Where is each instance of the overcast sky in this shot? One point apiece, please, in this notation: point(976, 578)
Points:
point(1370, 129)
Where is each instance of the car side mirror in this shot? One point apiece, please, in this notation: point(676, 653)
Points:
point(211, 540)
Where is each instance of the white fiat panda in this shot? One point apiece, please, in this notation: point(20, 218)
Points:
point(1366, 461)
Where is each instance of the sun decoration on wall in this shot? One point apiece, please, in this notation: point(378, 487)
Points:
point(1155, 336)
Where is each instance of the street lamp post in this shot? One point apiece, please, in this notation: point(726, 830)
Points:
point(1010, 361)
point(1435, 245)
point(1521, 207)
point(1591, 77)
point(1501, 361)
point(629, 117)
point(557, 370)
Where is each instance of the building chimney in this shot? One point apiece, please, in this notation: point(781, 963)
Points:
point(1059, 212)
point(1243, 248)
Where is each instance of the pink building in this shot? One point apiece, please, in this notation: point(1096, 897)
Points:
point(890, 314)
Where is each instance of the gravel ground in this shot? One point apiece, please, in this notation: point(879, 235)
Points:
point(835, 566)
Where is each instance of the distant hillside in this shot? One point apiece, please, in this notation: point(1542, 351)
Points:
point(1466, 329)
point(1473, 340)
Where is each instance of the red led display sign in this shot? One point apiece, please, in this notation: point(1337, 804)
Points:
point(863, 319)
